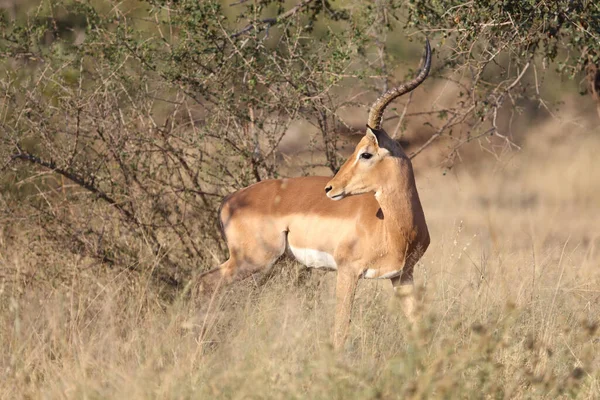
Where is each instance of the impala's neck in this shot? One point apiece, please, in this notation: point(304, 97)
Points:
point(400, 204)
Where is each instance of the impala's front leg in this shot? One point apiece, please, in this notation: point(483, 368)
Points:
point(405, 290)
point(344, 296)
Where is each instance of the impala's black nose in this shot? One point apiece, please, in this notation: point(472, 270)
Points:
point(328, 189)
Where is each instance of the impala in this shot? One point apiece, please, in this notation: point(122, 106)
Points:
point(365, 222)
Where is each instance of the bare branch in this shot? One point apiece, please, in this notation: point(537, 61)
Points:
point(453, 120)
point(432, 139)
point(89, 186)
point(516, 81)
point(268, 22)
point(401, 119)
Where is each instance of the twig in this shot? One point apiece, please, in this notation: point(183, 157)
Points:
point(6, 165)
point(237, 3)
point(268, 22)
point(432, 139)
point(516, 81)
point(401, 120)
point(439, 132)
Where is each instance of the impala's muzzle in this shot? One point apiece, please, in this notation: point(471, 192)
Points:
point(334, 194)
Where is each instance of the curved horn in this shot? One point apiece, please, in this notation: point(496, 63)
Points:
point(385, 99)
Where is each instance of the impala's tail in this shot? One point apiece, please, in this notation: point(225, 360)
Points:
point(221, 224)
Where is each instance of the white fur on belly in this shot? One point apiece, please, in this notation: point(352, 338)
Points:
point(313, 258)
point(372, 274)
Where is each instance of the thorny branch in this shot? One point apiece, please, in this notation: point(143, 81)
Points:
point(268, 22)
point(90, 186)
point(79, 180)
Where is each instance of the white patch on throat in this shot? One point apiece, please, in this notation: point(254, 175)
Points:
point(314, 258)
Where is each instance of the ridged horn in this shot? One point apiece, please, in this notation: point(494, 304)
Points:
point(385, 99)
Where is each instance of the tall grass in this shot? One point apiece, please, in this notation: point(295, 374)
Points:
point(509, 302)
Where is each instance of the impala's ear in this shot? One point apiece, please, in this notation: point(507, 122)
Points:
point(375, 135)
point(371, 135)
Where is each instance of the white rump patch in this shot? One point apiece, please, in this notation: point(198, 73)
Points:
point(371, 273)
point(314, 258)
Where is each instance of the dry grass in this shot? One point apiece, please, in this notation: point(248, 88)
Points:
point(510, 305)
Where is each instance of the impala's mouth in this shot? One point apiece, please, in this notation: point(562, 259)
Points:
point(336, 197)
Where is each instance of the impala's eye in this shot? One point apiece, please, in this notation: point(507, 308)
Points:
point(366, 156)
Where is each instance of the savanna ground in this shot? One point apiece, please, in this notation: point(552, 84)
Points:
point(510, 304)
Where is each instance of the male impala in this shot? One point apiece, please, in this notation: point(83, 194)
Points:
point(375, 229)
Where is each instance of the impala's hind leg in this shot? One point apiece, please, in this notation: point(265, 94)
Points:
point(258, 253)
point(211, 281)
point(405, 290)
